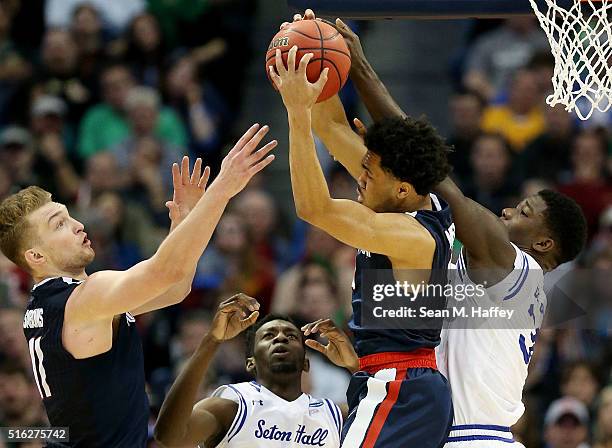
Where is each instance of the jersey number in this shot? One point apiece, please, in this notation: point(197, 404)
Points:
point(37, 366)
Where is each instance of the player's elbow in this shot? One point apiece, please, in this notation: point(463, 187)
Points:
point(165, 438)
point(311, 213)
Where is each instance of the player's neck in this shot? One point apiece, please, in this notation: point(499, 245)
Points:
point(545, 262)
point(419, 203)
point(288, 390)
point(39, 277)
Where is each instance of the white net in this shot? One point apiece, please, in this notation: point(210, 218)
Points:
point(580, 35)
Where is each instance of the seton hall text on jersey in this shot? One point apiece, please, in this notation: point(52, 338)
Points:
point(300, 436)
point(33, 318)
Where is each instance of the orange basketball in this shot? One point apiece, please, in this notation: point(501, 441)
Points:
point(327, 45)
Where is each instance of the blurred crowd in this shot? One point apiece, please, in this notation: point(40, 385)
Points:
point(98, 98)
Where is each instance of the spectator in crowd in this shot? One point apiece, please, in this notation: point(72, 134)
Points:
point(91, 41)
point(566, 424)
point(492, 183)
point(60, 74)
point(260, 213)
point(499, 54)
point(548, 156)
point(522, 119)
point(12, 345)
point(466, 110)
point(589, 183)
point(231, 263)
point(20, 404)
point(200, 106)
point(580, 380)
point(603, 428)
point(116, 14)
point(106, 124)
point(145, 50)
point(14, 68)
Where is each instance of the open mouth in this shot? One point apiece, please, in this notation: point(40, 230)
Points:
point(280, 352)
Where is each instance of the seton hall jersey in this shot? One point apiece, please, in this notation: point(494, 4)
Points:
point(101, 399)
point(264, 420)
point(486, 363)
point(439, 223)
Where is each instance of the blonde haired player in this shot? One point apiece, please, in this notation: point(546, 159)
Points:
point(85, 350)
point(486, 367)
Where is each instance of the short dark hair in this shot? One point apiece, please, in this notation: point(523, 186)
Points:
point(252, 330)
point(565, 220)
point(410, 149)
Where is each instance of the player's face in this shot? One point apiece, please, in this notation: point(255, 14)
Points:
point(525, 223)
point(377, 189)
point(61, 240)
point(279, 348)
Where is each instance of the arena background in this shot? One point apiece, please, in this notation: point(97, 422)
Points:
point(54, 133)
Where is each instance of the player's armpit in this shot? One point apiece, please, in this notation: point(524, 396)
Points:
point(210, 420)
point(399, 236)
point(330, 124)
point(482, 233)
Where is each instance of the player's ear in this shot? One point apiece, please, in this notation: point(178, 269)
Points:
point(250, 365)
point(306, 367)
point(405, 190)
point(34, 258)
point(544, 244)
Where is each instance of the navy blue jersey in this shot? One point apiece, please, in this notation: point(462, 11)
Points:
point(439, 223)
point(101, 399)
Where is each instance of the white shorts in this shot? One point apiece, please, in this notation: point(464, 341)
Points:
point(481, 436)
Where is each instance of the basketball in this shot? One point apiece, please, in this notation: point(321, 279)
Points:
point(327, 45)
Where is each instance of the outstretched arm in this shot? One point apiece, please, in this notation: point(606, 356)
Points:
point(180, 423)
point(348, 221)
point(483, 235)
point(106, 294)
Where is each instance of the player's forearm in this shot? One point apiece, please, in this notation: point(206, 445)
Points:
point(310, 191)
point(330, 124)
point(180, 251)
point(175, 413)
point(373, 93)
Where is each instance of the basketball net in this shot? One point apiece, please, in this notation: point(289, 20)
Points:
point(580, 36)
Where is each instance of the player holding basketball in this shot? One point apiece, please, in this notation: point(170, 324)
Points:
point(271, 411)
point(85, 349)
point(398, 398)
point(486, 367)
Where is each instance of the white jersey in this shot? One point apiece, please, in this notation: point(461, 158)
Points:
point(486, 361)
point(266, 420)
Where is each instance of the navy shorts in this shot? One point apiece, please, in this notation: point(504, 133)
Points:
point(398, 408)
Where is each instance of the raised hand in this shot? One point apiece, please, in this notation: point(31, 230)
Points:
point(188, 189)
point(292, 83)
point(245, 160)
point(338, 350)
point(231, 317)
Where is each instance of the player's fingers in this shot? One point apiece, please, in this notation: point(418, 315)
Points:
point(278, 60)
point(261, 153)
point(250, 320)
point(185, 170)
point(253, 143)
point(204, 179)
point(261, 165)
point(309, 14)
point(251, 303)
point(197, 171)
point(315, 345)
point(284, 25)
point(325, 324)
point(361, 128)
point(291, 59)
point(297, 17)
point(322, 79)
point(248, 135)
point(274, 77)
point(304, 63)
point(176, 176)
point(307, 329)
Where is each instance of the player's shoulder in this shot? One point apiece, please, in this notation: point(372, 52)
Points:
point(238, 392)
point(51, 290)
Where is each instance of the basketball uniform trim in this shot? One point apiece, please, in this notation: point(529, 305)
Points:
point(377, 392)
point(240, 415)
point(335, 413)
point(419, 358)
point(471, 433)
